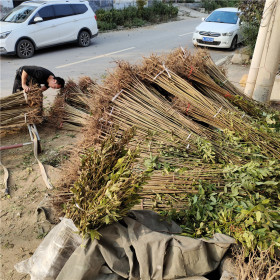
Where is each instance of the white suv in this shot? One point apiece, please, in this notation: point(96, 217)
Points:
point(39, 24)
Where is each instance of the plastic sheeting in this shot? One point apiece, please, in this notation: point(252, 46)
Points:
point(142, 246)
point(52, 253)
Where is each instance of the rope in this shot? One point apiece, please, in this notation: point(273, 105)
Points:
point(25, 96)
point(164, 69)
point(116, 96)
point(110, 114)
point(218, 112)
point(189, 136)
point(42, 169)
point(183, 51)
point(188, 76)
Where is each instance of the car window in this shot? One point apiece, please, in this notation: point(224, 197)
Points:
point(62, 10)
point(223, 17)
point(79, 8)
point(46, 13)
point(19, 14)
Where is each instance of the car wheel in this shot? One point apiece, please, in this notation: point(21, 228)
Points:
point(84, 39)
point(25, 49)
point(233, 44)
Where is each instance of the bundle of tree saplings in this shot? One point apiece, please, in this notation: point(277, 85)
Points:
point(200, 70)
point(71, 108)
point(79, 95)
point(108, 185)
point(19, 109)
point(197, 106)
point(204, 197)
point(205, 109)
point(148, 111)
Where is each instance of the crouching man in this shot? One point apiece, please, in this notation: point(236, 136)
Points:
point(31, 75)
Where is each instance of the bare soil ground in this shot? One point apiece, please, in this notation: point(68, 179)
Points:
point(20, 232)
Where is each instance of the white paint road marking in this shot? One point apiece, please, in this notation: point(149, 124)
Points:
point(95, 57)
point(185, 34)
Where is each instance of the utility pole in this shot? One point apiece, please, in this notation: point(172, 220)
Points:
point(270, 59)
point(264, 30)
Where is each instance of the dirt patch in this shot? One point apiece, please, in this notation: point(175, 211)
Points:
point(20, 232)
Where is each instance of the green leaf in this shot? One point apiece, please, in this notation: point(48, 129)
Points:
point(234, 191)
point(266, 201)
point(258, 216)
point(213, 199)
point(107, 220)
point(249, 222)
point(201, 190)
point(94, 234)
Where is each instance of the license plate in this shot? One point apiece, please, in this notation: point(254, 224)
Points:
point(207, 39)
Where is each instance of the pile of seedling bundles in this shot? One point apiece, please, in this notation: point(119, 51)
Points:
point(173, 135)
point(19, 109)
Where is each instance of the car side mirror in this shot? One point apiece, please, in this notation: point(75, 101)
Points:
point(203, 19)
point(38, 19)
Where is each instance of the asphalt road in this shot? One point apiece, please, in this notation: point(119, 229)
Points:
point(70, 61)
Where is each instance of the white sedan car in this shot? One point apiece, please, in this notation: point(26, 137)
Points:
point(221, 29)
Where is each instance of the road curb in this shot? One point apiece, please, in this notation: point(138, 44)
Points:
point(223, 60)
